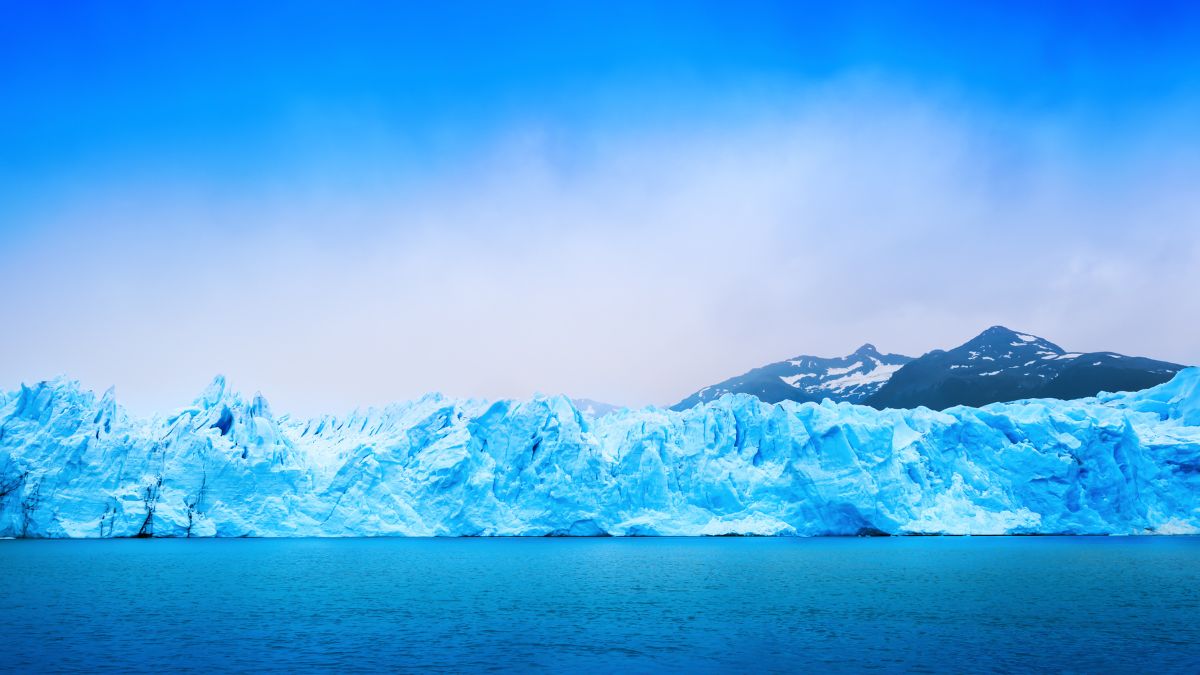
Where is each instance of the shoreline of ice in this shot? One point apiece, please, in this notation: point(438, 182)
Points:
point(76, 465)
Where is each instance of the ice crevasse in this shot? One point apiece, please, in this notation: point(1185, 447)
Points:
point(73, 464)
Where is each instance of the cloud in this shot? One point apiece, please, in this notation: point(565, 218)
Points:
point(633, 266)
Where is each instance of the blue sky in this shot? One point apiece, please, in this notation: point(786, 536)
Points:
point(356, 203)
point(205, 89)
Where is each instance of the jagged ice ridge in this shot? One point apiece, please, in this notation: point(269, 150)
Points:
point(74, 465)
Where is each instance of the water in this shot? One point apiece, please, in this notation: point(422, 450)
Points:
point(974, 604)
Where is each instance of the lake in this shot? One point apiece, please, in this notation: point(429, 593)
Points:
point(708, 604)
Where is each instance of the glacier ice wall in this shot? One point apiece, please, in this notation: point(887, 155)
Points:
point(76, 465)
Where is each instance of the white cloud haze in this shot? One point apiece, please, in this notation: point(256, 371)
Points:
point(633, 267)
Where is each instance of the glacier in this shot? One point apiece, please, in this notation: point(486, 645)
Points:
point(74, 464)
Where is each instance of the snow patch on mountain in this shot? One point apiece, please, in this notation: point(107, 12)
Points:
point(862, 378)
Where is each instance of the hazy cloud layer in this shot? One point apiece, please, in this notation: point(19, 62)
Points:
point(633, 267)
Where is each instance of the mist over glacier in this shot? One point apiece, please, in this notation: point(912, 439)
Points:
point(74, 464)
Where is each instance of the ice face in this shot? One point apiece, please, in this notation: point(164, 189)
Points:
point(76, 465)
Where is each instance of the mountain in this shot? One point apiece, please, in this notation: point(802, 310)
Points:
point(76, 465)
point(1004, 365)
point(997, 365)
point(852, 378)
point(594, 408)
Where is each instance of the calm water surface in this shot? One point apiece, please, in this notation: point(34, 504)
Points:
point(925, 604)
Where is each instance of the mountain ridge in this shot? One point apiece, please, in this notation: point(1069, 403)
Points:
point(851, 378)
point(997, 365)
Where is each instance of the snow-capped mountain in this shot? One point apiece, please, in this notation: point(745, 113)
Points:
point(997, 365)
point(1005, 365)
point(852, 378)
point(73, 464)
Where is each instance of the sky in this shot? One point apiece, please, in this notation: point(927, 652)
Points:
point(345, 204)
